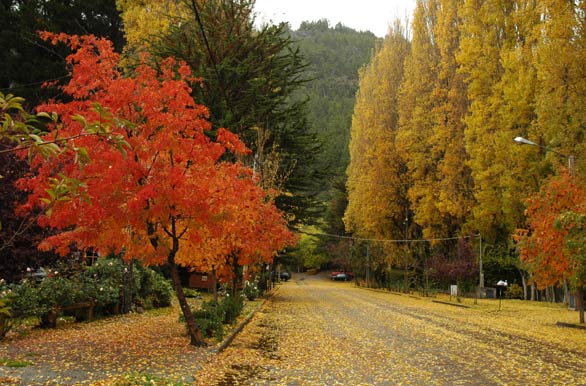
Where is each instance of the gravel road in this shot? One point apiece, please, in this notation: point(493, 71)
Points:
point(317, 332)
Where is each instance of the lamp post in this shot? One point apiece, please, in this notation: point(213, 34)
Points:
point(524, 141)
point(501, 287)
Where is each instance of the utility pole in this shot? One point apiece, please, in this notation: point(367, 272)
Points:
point(367, 266)
point(481, 292)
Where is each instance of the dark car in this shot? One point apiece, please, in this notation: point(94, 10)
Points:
point(284, 275)
point(341, 276)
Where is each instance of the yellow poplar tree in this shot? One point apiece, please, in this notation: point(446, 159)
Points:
point(561, 73)
point(416, 123)
point(453, 187)
point(376, 186)
point(522, 169)
point(486, 29)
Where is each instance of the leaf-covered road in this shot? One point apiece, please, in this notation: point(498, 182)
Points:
point(317, 332)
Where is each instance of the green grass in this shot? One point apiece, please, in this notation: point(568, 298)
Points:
point(15, 362)
point(140, 379)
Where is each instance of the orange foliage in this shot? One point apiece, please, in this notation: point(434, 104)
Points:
point(165, 195)
point(543, 247)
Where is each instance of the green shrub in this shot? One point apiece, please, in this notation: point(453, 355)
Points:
point(209, 319)
point(102, 293)
point(232, 306)
point(103, 281)
point(191, 293)
point(57, 290)
point(6, 322)
point(514, 291)
point(155, 290)
point(24, 300)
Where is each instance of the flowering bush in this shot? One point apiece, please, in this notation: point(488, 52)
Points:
point(251, 290)
point(104, 284)
point(56, 290)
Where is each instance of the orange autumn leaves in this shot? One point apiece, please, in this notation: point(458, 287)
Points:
point(543, 249)
point(140, 173)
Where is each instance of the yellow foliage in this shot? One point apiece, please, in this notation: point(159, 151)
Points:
point(147, 19)
point(377, 200)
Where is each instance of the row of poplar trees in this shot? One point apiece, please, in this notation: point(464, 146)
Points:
point(432, 151)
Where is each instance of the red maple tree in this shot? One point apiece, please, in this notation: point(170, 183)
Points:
point(545, 248)
point(140, 175)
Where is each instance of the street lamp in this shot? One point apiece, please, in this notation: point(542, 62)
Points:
point(524, 141)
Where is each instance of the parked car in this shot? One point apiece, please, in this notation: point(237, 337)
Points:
point(284, 275)
point(341, 276)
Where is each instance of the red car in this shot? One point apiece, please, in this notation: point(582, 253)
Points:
point(341, 276)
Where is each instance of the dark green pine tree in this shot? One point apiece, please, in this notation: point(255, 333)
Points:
point(250, 80)
point(27, 61)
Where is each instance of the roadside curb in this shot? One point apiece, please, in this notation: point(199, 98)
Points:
point(228, 340)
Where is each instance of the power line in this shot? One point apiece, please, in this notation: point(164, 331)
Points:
point(33, 83)
point(389, 240)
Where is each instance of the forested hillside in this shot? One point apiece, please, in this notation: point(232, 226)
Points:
point(334, 54)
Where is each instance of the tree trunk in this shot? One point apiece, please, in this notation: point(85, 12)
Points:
point(524, 282)
point(194, 333)
point(234, 275)
point(580, 303)
point(214, 284)
point(128, 286)
point(566, 292)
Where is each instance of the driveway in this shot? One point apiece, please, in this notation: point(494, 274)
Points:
point(317, 332)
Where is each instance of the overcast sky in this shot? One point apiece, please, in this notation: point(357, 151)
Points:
point(361, 15)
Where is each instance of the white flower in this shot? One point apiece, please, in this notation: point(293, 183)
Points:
point(28, 269)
